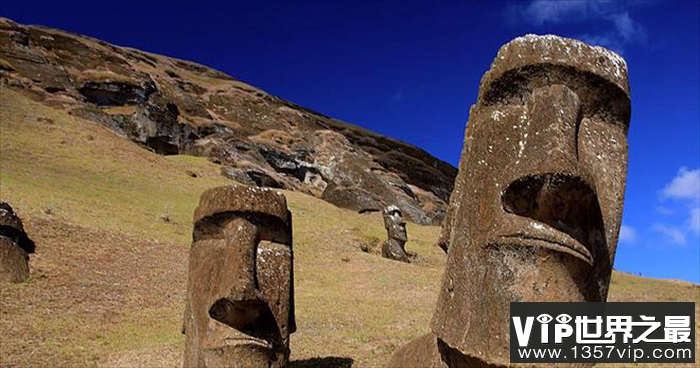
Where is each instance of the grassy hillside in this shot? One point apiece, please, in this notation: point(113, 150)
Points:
point(112, 224)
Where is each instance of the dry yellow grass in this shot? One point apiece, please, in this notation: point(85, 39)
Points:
point(108, 279)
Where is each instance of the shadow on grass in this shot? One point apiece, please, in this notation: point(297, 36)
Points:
point(335, 362)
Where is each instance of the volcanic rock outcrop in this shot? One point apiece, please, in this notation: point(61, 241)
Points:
point(15, 246)
point(394, 246)
point(240, 288)
point(178, 107)
point(537, 204)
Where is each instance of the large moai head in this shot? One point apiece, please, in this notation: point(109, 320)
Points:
point(240, 287)
point(15, 246)
point(538, 198)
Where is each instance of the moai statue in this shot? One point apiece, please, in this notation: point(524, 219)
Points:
point(538, 199)
point(15, 246)
point(240, 288)
point(395, 226)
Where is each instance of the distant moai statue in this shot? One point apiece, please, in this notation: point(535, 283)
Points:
point(15, 246)
point(393, 247)
point(536, 210)
point(240, 288)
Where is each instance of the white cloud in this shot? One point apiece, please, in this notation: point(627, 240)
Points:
point(686, 185)
point(541, 11)
point(684, 189)
point(627, 28)
point(628, 234)
point(621, 29)
point(694, 221)
point(673, 234)
point(663, 210)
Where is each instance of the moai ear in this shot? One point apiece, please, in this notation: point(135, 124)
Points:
point(275, 282)
point(275, 266)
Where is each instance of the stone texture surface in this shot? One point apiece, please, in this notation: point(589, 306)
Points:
point(537, 204)
point(14, 262)
point(240, 290)
point(15, 246)
point(394, 246)
point(173, 106)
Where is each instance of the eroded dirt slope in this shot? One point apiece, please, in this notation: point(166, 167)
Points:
point(174, 107)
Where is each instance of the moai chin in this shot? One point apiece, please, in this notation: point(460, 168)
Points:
point(15, 246)
point(395, 226)
point(240, 289)
point(537, 204)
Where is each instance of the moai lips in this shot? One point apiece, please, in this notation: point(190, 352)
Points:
point(15, 246)
point(537, 204)
point(395, 226)
point(240, 292)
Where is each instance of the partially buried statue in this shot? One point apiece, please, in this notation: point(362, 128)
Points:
point(15, 246)
point(395, 226)
point(240, 287)
point(537, 204)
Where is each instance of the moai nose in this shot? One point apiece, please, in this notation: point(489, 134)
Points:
point(553, 187)
point(243, 308)
point(242, 239)
point(549, 143)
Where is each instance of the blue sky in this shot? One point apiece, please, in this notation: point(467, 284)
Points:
point(411, 70)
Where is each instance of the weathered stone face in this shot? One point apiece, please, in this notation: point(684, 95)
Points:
point(538, 199)
point(15, 246)
point(240, 292)
point(395, 226)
